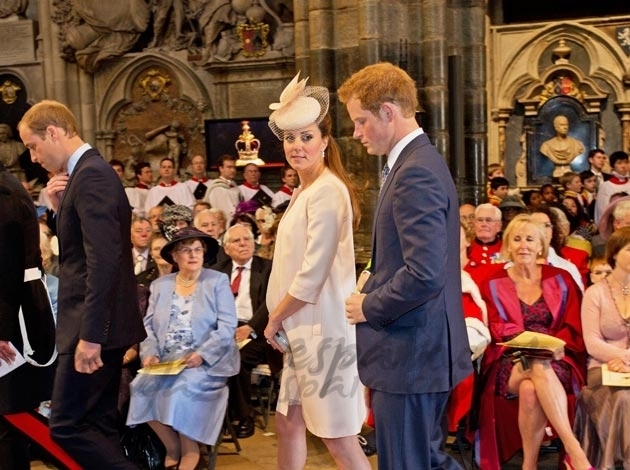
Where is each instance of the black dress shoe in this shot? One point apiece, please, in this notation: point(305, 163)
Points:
point(245, 428)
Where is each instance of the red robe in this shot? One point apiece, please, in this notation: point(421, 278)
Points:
point(499, 435)
point(578, 257)
point(461, 397)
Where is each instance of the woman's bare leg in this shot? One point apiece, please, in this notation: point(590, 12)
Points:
point(531, 424)
point(347, 453)
point(291, 431)
point(190, 453)
point(171, 442)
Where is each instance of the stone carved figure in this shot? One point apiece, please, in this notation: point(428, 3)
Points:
point(562, 148)
point(215, 19)
point(166, 141)
point(12, 8)
point(163, 10)
point(101, 30)
point(10, 151)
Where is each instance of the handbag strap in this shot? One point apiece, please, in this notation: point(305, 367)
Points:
point(30, 275)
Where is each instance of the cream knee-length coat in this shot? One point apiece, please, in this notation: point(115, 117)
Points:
point(314, 262)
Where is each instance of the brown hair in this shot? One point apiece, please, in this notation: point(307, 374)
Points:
point(618, 239)
point(381, 83)
point(333, 163)
point(49, 113)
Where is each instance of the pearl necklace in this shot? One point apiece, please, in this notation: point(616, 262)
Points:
point(625, 289)
point(184, 283)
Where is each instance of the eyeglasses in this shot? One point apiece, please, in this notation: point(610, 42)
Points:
point(188, 251)
point(487, 220)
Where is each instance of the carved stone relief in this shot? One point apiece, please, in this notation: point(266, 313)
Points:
point(157, 122)
point(211, 31)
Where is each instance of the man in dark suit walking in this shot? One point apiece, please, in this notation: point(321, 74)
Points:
point(98, 316)
point(411, 337)
point(249, 276)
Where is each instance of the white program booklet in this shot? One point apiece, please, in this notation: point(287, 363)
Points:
point(5, 367)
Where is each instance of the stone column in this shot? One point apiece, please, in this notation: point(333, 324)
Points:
point(302, 33)
point(56, 76)
point(87, 106)
point(624, 110)
point(433, 82)
point(321, 33)
point(466, 33)
point(105, 142)
point(476, 99)
point(369, 24)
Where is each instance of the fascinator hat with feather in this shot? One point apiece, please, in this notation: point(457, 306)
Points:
point(299, 106)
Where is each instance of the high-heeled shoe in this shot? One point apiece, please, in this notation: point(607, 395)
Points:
point(567, 463)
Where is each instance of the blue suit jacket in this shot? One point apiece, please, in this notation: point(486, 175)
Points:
point(415, 338)
point(97, 288)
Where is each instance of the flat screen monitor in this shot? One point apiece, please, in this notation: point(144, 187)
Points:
point(222, 134)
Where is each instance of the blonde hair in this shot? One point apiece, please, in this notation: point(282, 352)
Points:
point(49, 113)
point(516, 223)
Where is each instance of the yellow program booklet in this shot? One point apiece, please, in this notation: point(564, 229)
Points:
point(533, 341)
point(164, 368)
point(615, 379)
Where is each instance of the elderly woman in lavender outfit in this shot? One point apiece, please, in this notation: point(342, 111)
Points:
point(191, 317)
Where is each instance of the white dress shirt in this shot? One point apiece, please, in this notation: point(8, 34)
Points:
point(244, 311)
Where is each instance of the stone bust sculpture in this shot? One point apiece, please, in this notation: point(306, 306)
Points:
point(562, 148)
point(10, 151)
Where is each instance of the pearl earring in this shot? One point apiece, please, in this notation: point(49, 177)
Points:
point(324, 153)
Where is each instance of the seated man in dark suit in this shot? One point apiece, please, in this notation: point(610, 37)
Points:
point(141, 231)
point(249, 276)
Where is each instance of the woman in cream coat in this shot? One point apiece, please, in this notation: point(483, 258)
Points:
point(313, 272)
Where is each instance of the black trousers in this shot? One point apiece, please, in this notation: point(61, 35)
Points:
point(239, 403)
point(256, 352)
point(84, 412)
point(14, 448)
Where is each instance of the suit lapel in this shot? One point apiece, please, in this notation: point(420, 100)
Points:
point(87, 154)
point(420, 140)
point(254, 284)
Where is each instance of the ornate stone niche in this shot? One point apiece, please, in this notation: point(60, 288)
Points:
point(156, 121)
point(549, 156)
point(561, 123)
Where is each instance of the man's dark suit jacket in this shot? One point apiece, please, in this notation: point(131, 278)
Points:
point(97, 287)
point(414, 340)
point(261, 269)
